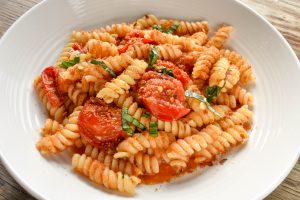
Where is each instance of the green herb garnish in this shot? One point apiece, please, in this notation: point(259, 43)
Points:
point(167, 71)
point(126, 118)
point(146, 114)
point(153, 129)
point(213, 92)
point(170, 30)
point(67, 64)
point(153, 55)
point(105, 67)
point(203, 99)
point(125, 125)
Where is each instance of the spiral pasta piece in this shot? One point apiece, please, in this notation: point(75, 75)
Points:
point(147, 164)
point(190, 28)
point(120, 29)
point(203, 117)
point(118, 63)
point(226, 99)
point(101, 174)
point(180, 151)
point(187, 44)
point(146, 22)
point(165, 52)
point(227, 140)
point(178, 128)
point(58, 113)
point(218, 72)
point(142, 141)
point(50, 127)
point(200, 37)
point(84, 36)
point(64, 55)
point(106, 157)
point(92, 85)
point(99, 49)
point(186, 27)
point(220, 37)
point(123, 82)
point(232, 78)
point(246, 75)
point(240, 117)
point(241, 94)
point(77, 96)
point(63, 138)
point(205, 62)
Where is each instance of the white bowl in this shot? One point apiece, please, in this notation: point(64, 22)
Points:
point(37, 38)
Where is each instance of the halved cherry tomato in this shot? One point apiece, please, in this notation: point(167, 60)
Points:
point(49, 80)
point(181, 75)
point(163, 96)
point(100, 124)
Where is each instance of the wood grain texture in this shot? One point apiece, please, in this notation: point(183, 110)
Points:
point(283, 14)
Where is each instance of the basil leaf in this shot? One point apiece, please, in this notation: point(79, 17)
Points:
point(146, 114)
point(105, 67)
point(67, 64)
point(173, 28)
point(170, 30)
point(153, 55)
point(167, 71)
point(158, 27)
point(153, 129)
point(125, 125)
point(213, 92)
point(203, 99)
point(128, 118)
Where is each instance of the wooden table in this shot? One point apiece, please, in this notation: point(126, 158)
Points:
point(284, 15)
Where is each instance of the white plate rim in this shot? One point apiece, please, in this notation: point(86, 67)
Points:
point(277, 181)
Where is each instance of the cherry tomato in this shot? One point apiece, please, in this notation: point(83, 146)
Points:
point(163, 96)
point(181, 75)
point(49, 80)
point(100, 124)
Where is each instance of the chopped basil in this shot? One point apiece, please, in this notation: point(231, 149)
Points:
point(170, 30)
point(203, 99)
point(125, 125)
point(146, 114)
point(126, 118)
point(212, 92)
point(105, 67)
point(67, 64)
point(153, 55)
point(167, 71)
point(153, 129)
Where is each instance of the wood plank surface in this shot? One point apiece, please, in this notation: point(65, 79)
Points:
point(283, 14)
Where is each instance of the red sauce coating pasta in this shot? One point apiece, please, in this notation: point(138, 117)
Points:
point(100, 124)
point(163, 96)
point(49, 80)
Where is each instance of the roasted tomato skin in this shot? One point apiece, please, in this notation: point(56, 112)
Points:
point(100, 124)
point(49, 80)
point(181, 75)
point(163, 96)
